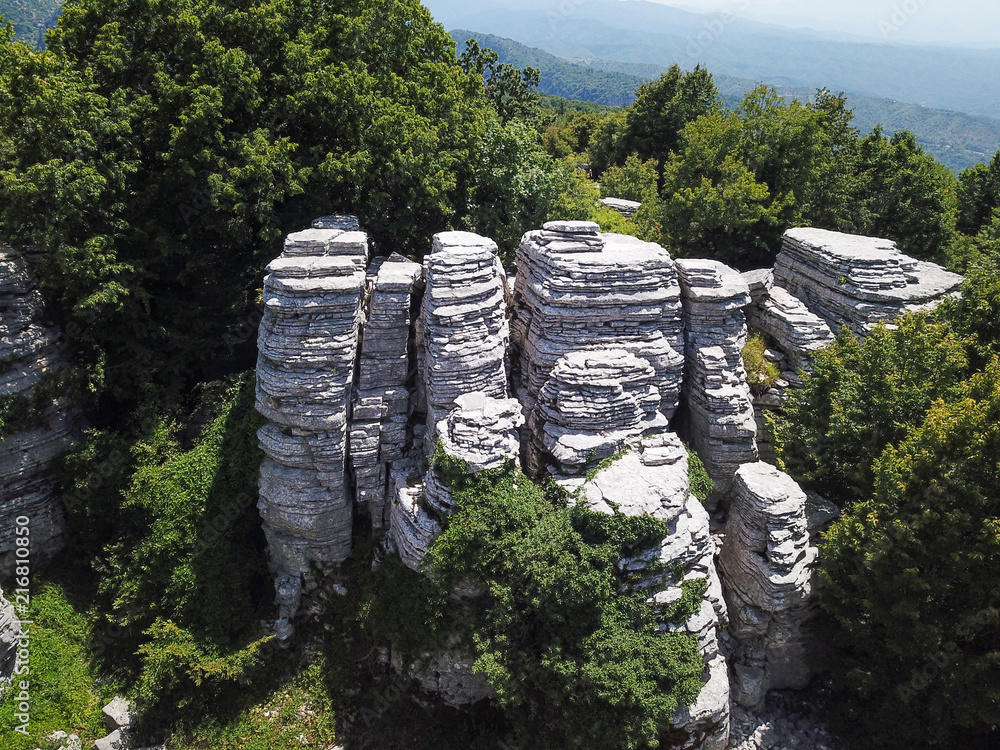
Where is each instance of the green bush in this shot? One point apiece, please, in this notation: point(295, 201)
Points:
point(575, 661)
point(762, 373)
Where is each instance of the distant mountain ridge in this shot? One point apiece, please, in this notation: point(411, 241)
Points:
point(958, 140)
point(31, 17)
point(635, 31)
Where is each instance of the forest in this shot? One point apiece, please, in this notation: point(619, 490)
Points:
point(158, 151)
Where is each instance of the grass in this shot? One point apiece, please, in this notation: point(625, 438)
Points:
point(67, 692)
point(762, 373)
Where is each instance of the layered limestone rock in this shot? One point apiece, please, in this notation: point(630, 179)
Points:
point(464, 332)
point(786, 322)
point(591, 404)
point(578, 290)
point(10, 630)
point(308, 342)
point(721, 422)
point(482, 432)
point(767, 566)
point(31, 355)
point(628, 209)
point(652, 478)
point(379, 429)
point(857, 281)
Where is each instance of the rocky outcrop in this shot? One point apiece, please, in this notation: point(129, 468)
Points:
point(628, 209)
point(10, 629)
point(308, 343)
point(857, 281)
point(720, 414)
point(592, 403)
point(40, 423)
point(380, 431)
point(578, 290)
point(652, 478)
point(786, 322)
point(767, 566)
point(464, 331)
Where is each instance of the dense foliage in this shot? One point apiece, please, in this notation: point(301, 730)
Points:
point(575, 662)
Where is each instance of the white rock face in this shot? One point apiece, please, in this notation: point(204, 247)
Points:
point(30, 353)
point(578, 290)
point(789, 325)
point(652, 478)
point(482, 431)
point(591, 404)
point(857, 281)
point(767, 566)
point(626, 208)
point(464, 330)
point(10, 629)
point(308, 343)
point(379, 428)
point(722, 426)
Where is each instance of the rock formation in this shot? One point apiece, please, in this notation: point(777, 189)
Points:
point(628, 209)
point(308, 343)
point(785, 321)
point(721, 422)
point(767, 571)
point(464, 331)
point(379, 429)
point(857, 281)
point(578, 290)
point(10, 629)
point(31, 355)
point(652, 478)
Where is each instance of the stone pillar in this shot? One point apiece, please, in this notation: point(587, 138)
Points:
point(767, 566)
point(308, 342)
point(721, 424)
point(379, 429)
point(31, 355)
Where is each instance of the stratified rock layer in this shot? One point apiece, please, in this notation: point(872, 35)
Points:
point(578, 290)
point(651, 478)
point(464, 331)
point(308, 343)
point(857, 281)
point(626, 208)
point(767, 571)
point(379, 429)
point(721, 424)
point(31, 355)
point(10, 629)
point(591, 404)
point(789, 325)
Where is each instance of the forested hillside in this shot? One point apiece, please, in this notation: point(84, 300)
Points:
point(31, 17)
point(958, 140)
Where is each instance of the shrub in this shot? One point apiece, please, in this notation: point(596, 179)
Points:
point(762, 373)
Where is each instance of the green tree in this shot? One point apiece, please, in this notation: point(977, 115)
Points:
point(634, 180)
point(662, 108)
point(978, 196)
point(912, 584)
point(862, 397)
point(512, 92)
point(905, 195)
point(159, 151)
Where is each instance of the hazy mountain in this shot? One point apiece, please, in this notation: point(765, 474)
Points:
point(635, 31)
point(956, 139)
point(31, 17)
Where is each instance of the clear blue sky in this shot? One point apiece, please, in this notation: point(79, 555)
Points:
point(973, 23)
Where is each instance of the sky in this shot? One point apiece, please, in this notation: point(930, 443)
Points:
point(964, 23)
